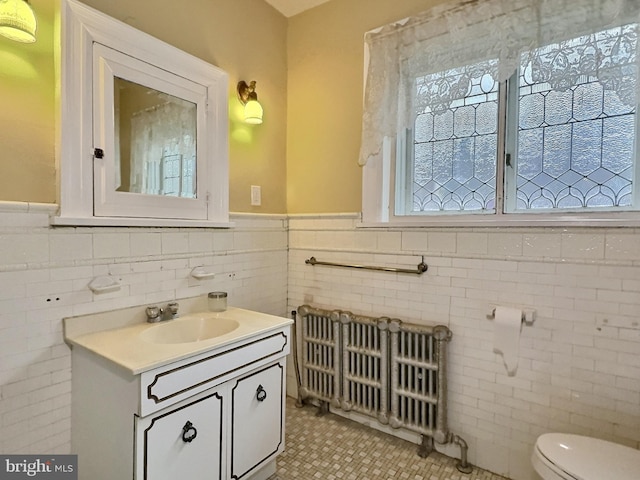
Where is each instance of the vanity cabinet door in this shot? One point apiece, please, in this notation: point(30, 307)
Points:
point(184, 442)
point(257, 420)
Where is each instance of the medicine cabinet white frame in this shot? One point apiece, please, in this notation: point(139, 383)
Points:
point(94, 49)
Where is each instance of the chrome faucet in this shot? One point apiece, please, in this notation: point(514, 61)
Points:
point(157, 314)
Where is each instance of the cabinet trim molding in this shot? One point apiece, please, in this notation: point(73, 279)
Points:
point(155, 419)
point(273, 349)
point(234, 476)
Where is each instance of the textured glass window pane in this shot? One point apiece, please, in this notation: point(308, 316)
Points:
point(556, 155)
point(455, 140)
point(463, 159)
point(587, 103)
point(443, 125)
point(423, 168)
point(531, 111)
point(557, 107)
point(576, 125)
point(464, 120)
point(584, 158)
point(424, 128)
point(530, 153)
point(618, 144)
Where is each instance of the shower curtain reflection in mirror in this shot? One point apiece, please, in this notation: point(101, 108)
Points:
point(156, 141)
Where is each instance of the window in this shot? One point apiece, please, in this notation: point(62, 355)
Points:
point(454, 142)
point(497, 120)
point(575, 143)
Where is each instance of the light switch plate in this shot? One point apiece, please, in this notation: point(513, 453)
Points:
point(256, 196)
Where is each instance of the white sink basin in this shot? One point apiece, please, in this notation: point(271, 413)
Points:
point(189, 329)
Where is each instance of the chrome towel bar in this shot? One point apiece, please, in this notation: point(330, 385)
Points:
point(419, 270)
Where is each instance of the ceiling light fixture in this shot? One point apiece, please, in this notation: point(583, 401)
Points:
point(17, 21)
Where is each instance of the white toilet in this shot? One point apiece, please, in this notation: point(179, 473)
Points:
point(560, 456)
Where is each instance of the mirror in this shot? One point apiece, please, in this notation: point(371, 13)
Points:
point(144, 128)
point(155, 141)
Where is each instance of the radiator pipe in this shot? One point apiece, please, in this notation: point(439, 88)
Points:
point(462, 465)
point(294, 347)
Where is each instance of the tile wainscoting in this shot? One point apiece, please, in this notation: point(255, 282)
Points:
point(44, 277)
point(578, 371)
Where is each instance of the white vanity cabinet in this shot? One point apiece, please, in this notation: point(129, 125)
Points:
point(249, 411)
point(172, 444)
point(257, 419)
point(216, 415)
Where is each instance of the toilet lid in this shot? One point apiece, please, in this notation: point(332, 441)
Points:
point(586, 458)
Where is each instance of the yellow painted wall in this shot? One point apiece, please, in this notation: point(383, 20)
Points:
point(325, 57)
point(27, 128)
point(309, 70)
point(247, 38)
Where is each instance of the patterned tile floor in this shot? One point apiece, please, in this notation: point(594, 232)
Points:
point(334, 448)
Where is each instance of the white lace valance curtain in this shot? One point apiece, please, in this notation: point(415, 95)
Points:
point(465, 32)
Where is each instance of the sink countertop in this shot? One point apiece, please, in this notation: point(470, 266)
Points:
point(116, 335)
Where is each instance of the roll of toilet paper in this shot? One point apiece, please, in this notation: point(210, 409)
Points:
point(507, 325)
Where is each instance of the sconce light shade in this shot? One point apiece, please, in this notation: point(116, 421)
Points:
point(249, 98)
point(253, 112)
point(17, 21)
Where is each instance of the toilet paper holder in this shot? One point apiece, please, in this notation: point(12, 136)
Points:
point(528, 315)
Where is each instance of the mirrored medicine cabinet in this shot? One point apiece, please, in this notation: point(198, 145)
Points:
point(144, 137)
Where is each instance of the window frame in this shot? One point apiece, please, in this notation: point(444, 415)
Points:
point(510, 145)
point(381, 182)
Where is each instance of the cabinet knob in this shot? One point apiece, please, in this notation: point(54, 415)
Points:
point(261, 393)
point(189, 432)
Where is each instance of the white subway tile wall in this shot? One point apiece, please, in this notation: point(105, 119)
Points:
point(44, 277)
point(579, 367)
point(579, 364)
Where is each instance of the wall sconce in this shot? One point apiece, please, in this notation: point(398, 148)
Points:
point(17, 21)
point(249, 98)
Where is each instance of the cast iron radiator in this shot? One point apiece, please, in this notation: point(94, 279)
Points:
point(379, 367)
